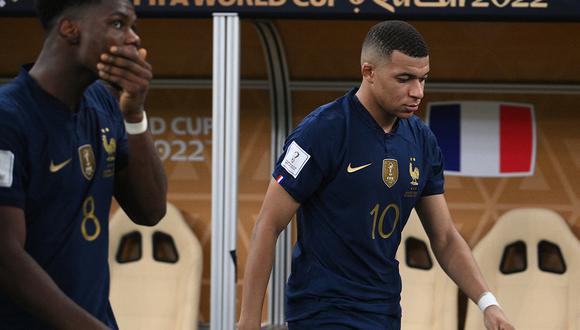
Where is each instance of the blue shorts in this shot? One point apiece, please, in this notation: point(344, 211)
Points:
point(337, 319)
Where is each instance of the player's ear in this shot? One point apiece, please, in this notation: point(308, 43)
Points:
point(368, 72)
point(69, 30)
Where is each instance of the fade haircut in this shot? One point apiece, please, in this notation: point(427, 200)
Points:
point(386, 37)
point(48, 11)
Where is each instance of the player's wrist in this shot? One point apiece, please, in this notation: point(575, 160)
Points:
point(486, 300)
point(135, 125)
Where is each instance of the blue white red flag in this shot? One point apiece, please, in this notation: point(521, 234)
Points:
point(485, 139)
point(279, 178)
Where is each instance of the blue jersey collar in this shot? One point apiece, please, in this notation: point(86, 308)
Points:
point(365, 115)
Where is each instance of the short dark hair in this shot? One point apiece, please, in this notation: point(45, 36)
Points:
point(48, 11)
point(388, 36)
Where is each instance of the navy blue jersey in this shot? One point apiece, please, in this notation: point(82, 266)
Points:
point(356, 186)
point(59, 167)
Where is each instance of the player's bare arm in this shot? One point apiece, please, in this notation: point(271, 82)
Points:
point(277, 210)
point(141, 187)
point(455, 257)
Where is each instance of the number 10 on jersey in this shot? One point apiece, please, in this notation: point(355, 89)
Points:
point(394, 210)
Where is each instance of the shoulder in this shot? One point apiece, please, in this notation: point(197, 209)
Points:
point(322, 134)
point(14, 100)
point(417, 130)
point(17, 119)
point(13, 92)
point(328, 120)
point(416, 123)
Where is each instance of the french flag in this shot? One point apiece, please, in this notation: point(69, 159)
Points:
point(279, 178)
point(485, 139)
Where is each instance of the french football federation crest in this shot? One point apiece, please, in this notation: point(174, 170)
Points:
point(87, 161)
point(110, 145)
point(390, 172)
point(413, 172)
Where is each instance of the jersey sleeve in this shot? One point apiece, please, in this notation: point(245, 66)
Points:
point(436, 181)
point(13, 169)
point(308, 158)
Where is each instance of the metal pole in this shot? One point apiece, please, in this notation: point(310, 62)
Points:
point(226, 84)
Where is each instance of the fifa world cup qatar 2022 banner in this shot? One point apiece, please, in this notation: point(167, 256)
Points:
point(508, 10)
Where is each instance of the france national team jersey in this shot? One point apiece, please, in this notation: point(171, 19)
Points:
point(356, 186)
point(59, 167)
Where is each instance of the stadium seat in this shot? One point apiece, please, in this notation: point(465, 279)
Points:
point(155, 273)
point(429, 297)
point(531, 260)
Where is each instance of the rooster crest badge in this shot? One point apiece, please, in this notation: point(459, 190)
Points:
point(413, 172)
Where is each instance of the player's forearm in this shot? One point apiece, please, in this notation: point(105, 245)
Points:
point(25, 282)
point(256, 275)
point(146, 184)
point(455, 257)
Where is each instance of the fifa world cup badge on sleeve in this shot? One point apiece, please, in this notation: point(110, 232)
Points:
point(295, 159)
point(6, 167)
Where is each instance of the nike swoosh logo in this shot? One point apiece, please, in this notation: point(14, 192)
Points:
point(55, 168)
point(351, 169)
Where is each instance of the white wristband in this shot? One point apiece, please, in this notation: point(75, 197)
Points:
point(486, 300)
point(137, 128)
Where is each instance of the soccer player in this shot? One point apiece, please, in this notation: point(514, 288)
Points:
point(66, 147)
point(353, 169)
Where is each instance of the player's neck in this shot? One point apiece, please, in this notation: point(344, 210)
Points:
point(58, 76)
point(383, 119)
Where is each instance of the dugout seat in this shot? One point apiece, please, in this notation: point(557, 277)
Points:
point(429, 297)
point(531, 261)
point(155, 273)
